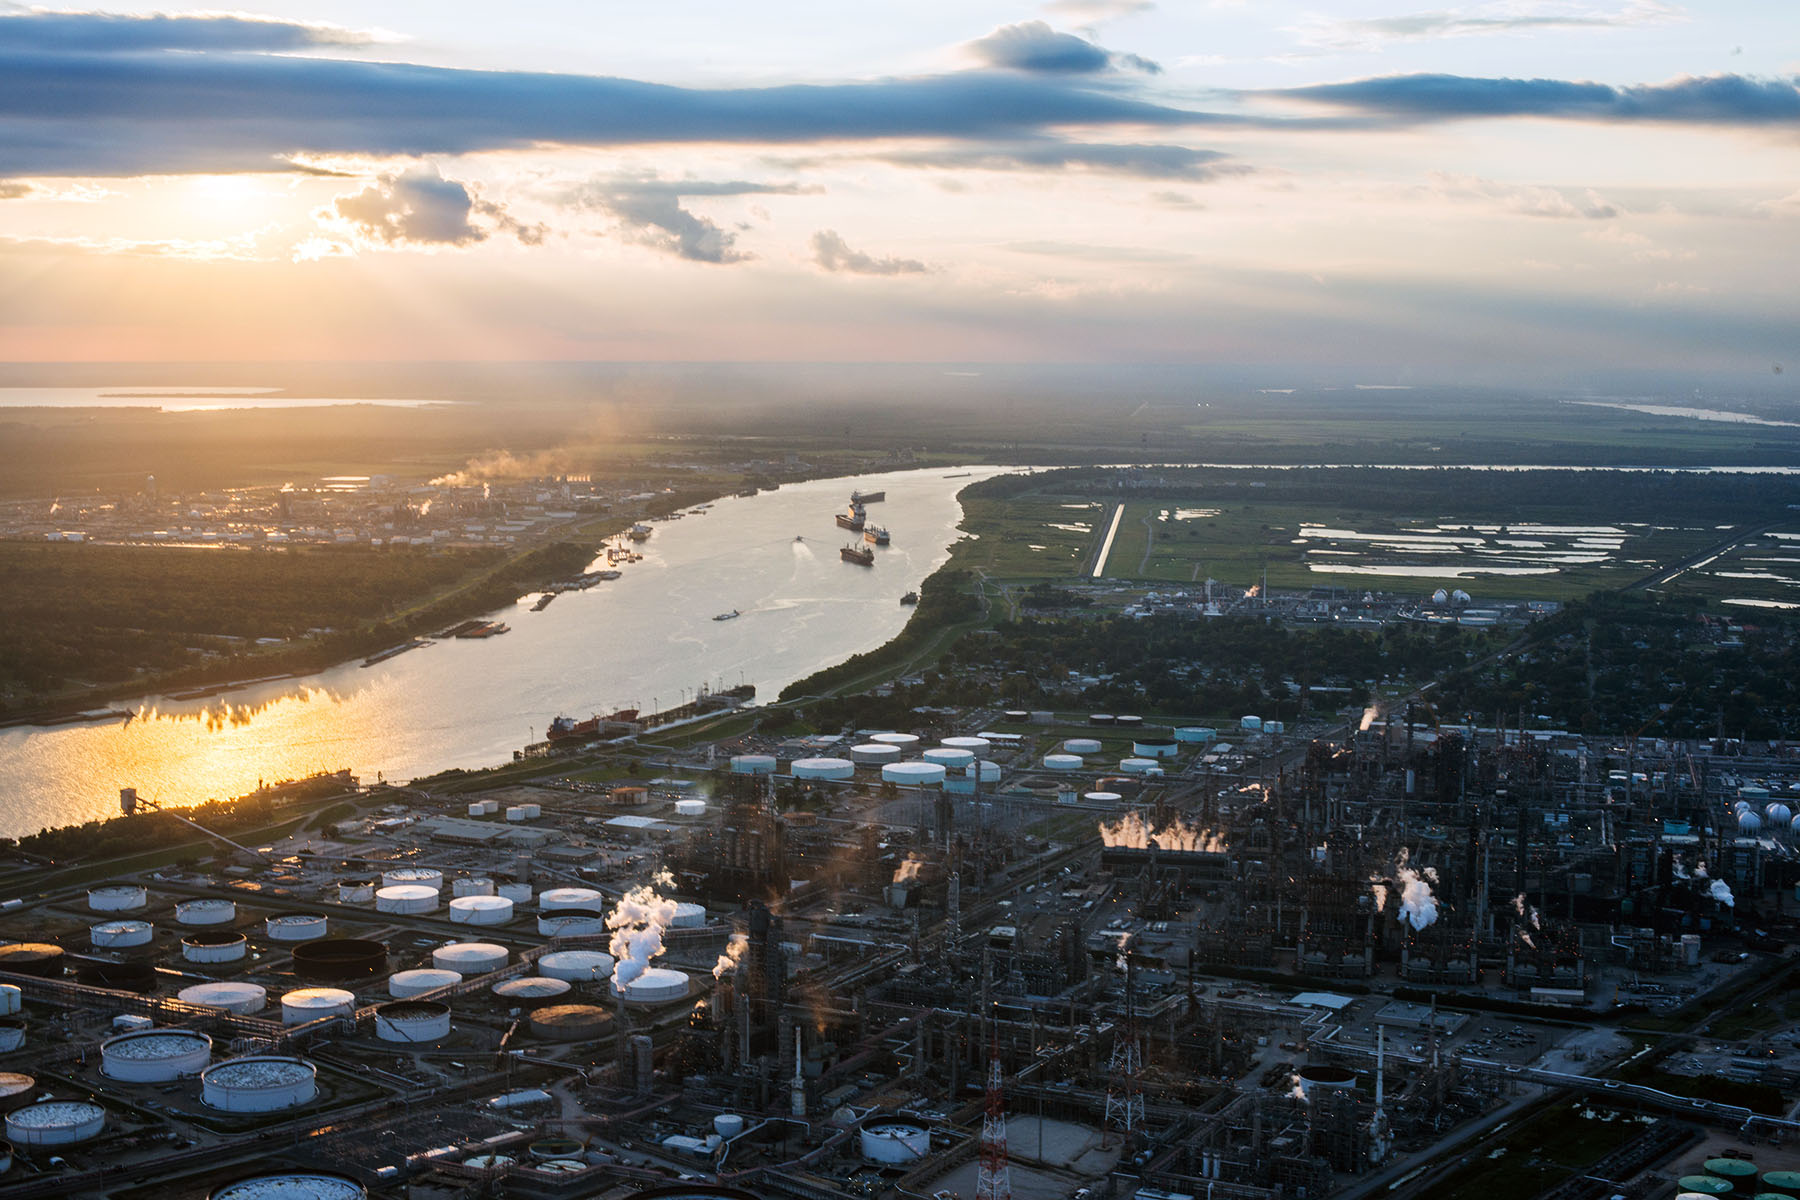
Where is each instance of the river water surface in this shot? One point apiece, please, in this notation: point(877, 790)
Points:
point(647, 640)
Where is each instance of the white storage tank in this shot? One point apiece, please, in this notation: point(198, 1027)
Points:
point(688, 916)
point(823, 768)
point(296, 927)
point(55, 1123)
point(948, 757)
point(116, 934)
point(117, 897)
point(155, 1055)
point(728, 1125)
point(874, 754)
point(477, 808)
point(576, 966)
point(412, 1021)
point(570, 897)
point(206, 912)
point(518, 893)
point(1690, 949)
point(490, 808)
point(11, 1000)
point(481, 910)
point(1063, 762)
point(690, 808)
point(470, 958)
point(259, 1083)
point(473, 885)
point(406, 898)
point(241, 998)
point(532, 811)
point(403, 985)
point(974, 745)
point(292, 1185)
point(895, 1140)
point(12, 1036)
point(1274, 727)
point(429, 877)
point(914, 774)
point(903, 740)
point(356, 891)
point(657, 985)
point(310, 1004)
point(1082, 745)
point(1200, 734)
point(1154, 747)
point(1250, 724)
point(515, 813)
point(220, 946)
point(1138, 766)
point(753, 764)
point(964, 781)
point(571, 922)
point(1107, 798)
point(531, 991)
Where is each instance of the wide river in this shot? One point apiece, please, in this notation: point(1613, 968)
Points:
point(646, 640)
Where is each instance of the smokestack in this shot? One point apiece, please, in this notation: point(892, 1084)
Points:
point(1380, 1061)
point(797, 1094)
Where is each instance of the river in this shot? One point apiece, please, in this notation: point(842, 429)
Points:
point(647, 640)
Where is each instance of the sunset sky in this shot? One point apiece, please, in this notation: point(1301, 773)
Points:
point(1587, 183)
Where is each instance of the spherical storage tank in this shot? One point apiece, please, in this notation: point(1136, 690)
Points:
point(949, 757)
point(874, 754)
point(259, 1083)
point(206, 912)
point(429, 877)
point(893, 1140)
point(531, 991)
point(1063, 762)
point(240, 998)
point(406, 898)
point(310, 1004)
point(481, 910)
point(570, 1022)
point(122, 933)
point(1149, 747)
point(576, 966)
point(469, 958)
point(570, 897)
point(117, 897)
point(974, 745)
point(753, 764)
point(339, 958)
point(412, 1021)
point(657, 985)
point(688, 916)
point(1082, 746)
point(823, 768)
point(405, 984)
point(55, 1123)
point(296, 927)
point(473, 885)
point(1748, 822)
point(913, 774)
point(1780, 814)
point(221, 946)
point(292, 1185)
point(155, 1055)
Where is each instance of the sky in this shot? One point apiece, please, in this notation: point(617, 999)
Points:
point(1420, 189)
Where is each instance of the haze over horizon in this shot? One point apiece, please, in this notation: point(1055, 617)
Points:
point(1527, 186)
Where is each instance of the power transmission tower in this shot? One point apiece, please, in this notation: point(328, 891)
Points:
point(994, 1182)
point(1124, 1098)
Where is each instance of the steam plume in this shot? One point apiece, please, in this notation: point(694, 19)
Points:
point(504, 464)
point(1418, 907)
point(1132, 832)
point(908, 870)
point(637, 923)
point(734, 954)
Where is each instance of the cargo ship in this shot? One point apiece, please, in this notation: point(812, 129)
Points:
point(867, 497)
point(853, 519)
point(861, 555)
point(875, 535)
point(567, 729)
point(639, 533)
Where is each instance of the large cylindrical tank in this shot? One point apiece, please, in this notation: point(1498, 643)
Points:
point(206, 912)
point(913, 774)
point(131, 975)
point(875, 754)
point(1108, 798)
point(1250, 724)
point(406, 898)
point(481, 910)
point(1705, 1185)
point(311, 1004)
point(949, 757)
point(11, 1000)
point(340, 958)
point(1735, 1169)
point(1062, 762)
point(1153, 747)
point(155, 1055)
point(55, 1123)
point(570, 897)
point(688, 915)
point(403, 985)
point(576, 966)
point(116, 934)
point(903, 740)
point(1319, 1077)
point(657, 985)
point(216, 946)
point(16, 1089)
point(241, 998)
point(291, 1185)
point(531, 991)
point(429, 877)
point(1201, 734)
point(117, 897)
point(895, 1140)
point(356, 891)
point(40, 959)
point(12, 1034)
point(296, 927)
point(469, 958)
point(571, 1022)
point(572, 922)
point(728, 1125)
point(472, 885)
point(690, 808)
point(412, 1021)
point(753, 764)
point(1136, 766)
point(259, 1083)
point(976, 746)
point(1128, 722)
point(823, 768)
point(515, 813)
point(1690, 949)
point(518, 893)
point(533, 811)
point(1102, 719)
point(1082, 745)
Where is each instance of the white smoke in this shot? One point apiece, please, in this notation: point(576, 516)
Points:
point(663, 878)
point(637, 923)
point(1519, 904)
point(1132, 832)
point(1721, 892)
point(1418, 907)
point(1370, 715)
point(1679, 868)
point(734, 954)
point(1380, 892)
point(908, 871)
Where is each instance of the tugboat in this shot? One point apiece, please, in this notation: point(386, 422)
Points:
point(875, 535)
point(910, 598)
point(730, 616)
point(862, 556)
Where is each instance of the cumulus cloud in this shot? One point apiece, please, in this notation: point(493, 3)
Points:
point(650, 214)
point(1034, 47)
point(1480, 20)
point(1691, 100)
point(1527, 200)
point(419, 207)
point(831, 253)
point(113, 33)
point(1143, 161)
